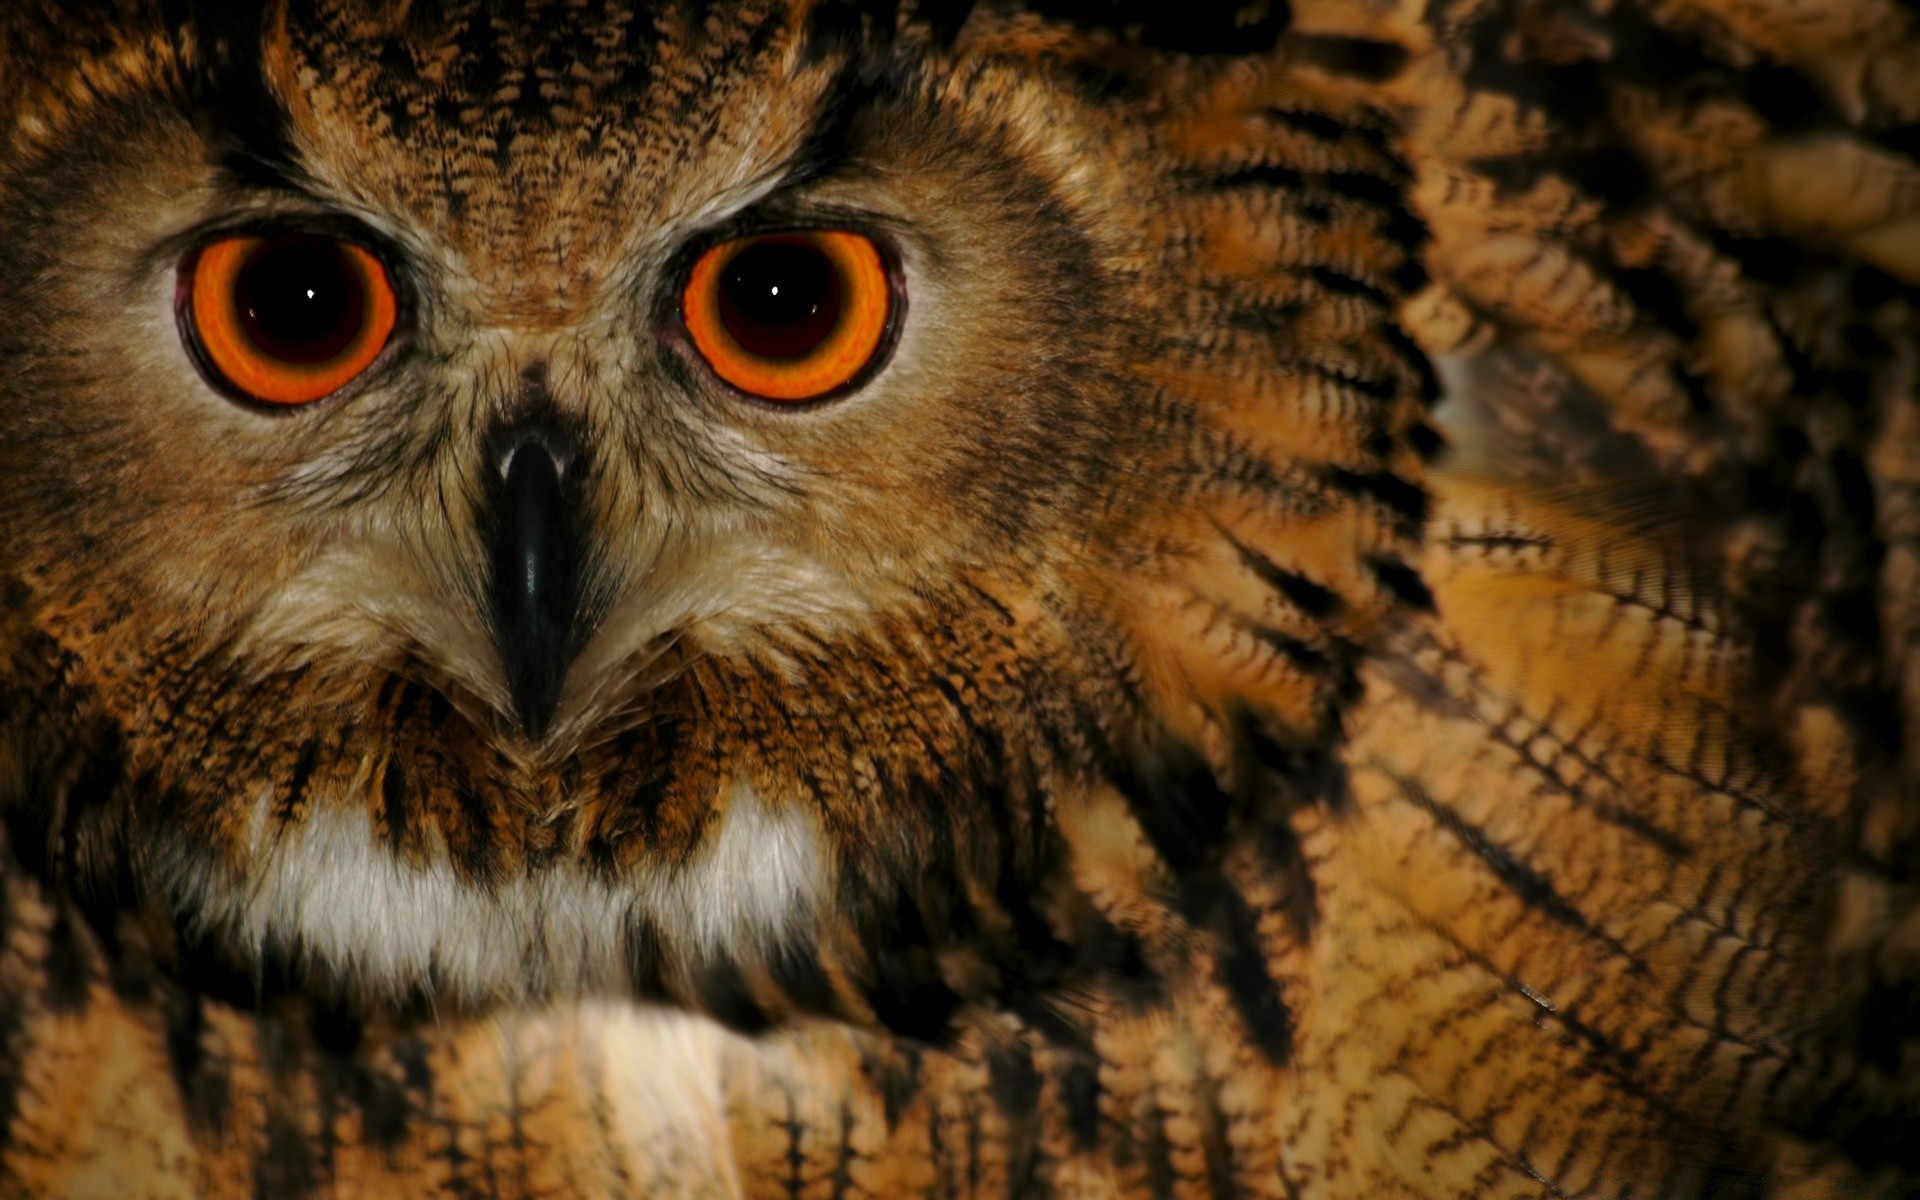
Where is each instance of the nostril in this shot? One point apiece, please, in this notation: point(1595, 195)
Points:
point(532, 418)
point(560, 455)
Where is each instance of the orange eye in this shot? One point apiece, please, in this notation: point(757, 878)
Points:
point(288, 319)
point(789, 316)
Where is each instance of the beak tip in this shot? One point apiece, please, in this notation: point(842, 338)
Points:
point(534, 706)
point(534, 688)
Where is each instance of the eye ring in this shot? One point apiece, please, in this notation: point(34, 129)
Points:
point(791, 317)
point(285, 319)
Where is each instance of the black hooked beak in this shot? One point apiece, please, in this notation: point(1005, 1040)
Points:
point(536, 580)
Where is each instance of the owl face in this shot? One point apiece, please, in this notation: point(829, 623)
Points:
point(672, 499)
point(541, 295)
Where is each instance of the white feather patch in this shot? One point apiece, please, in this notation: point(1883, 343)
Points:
point(758, 871)
point(333, 889)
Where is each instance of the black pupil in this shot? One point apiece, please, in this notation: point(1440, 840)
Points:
point(300, 299)
point(780, 298)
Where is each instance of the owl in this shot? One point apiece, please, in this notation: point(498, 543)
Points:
point(928, 599)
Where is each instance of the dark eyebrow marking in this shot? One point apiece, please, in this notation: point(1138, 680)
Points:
point(233, 101)
point(841, 27)
point(868, 75)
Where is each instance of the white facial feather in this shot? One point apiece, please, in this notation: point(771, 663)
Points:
point(760, 873)
point(382, 924)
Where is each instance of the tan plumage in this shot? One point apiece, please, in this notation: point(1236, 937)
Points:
point(1359, 642)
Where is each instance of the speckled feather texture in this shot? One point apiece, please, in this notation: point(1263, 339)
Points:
point(1363, 643)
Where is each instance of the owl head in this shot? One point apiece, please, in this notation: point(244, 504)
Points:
point(693, 500)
